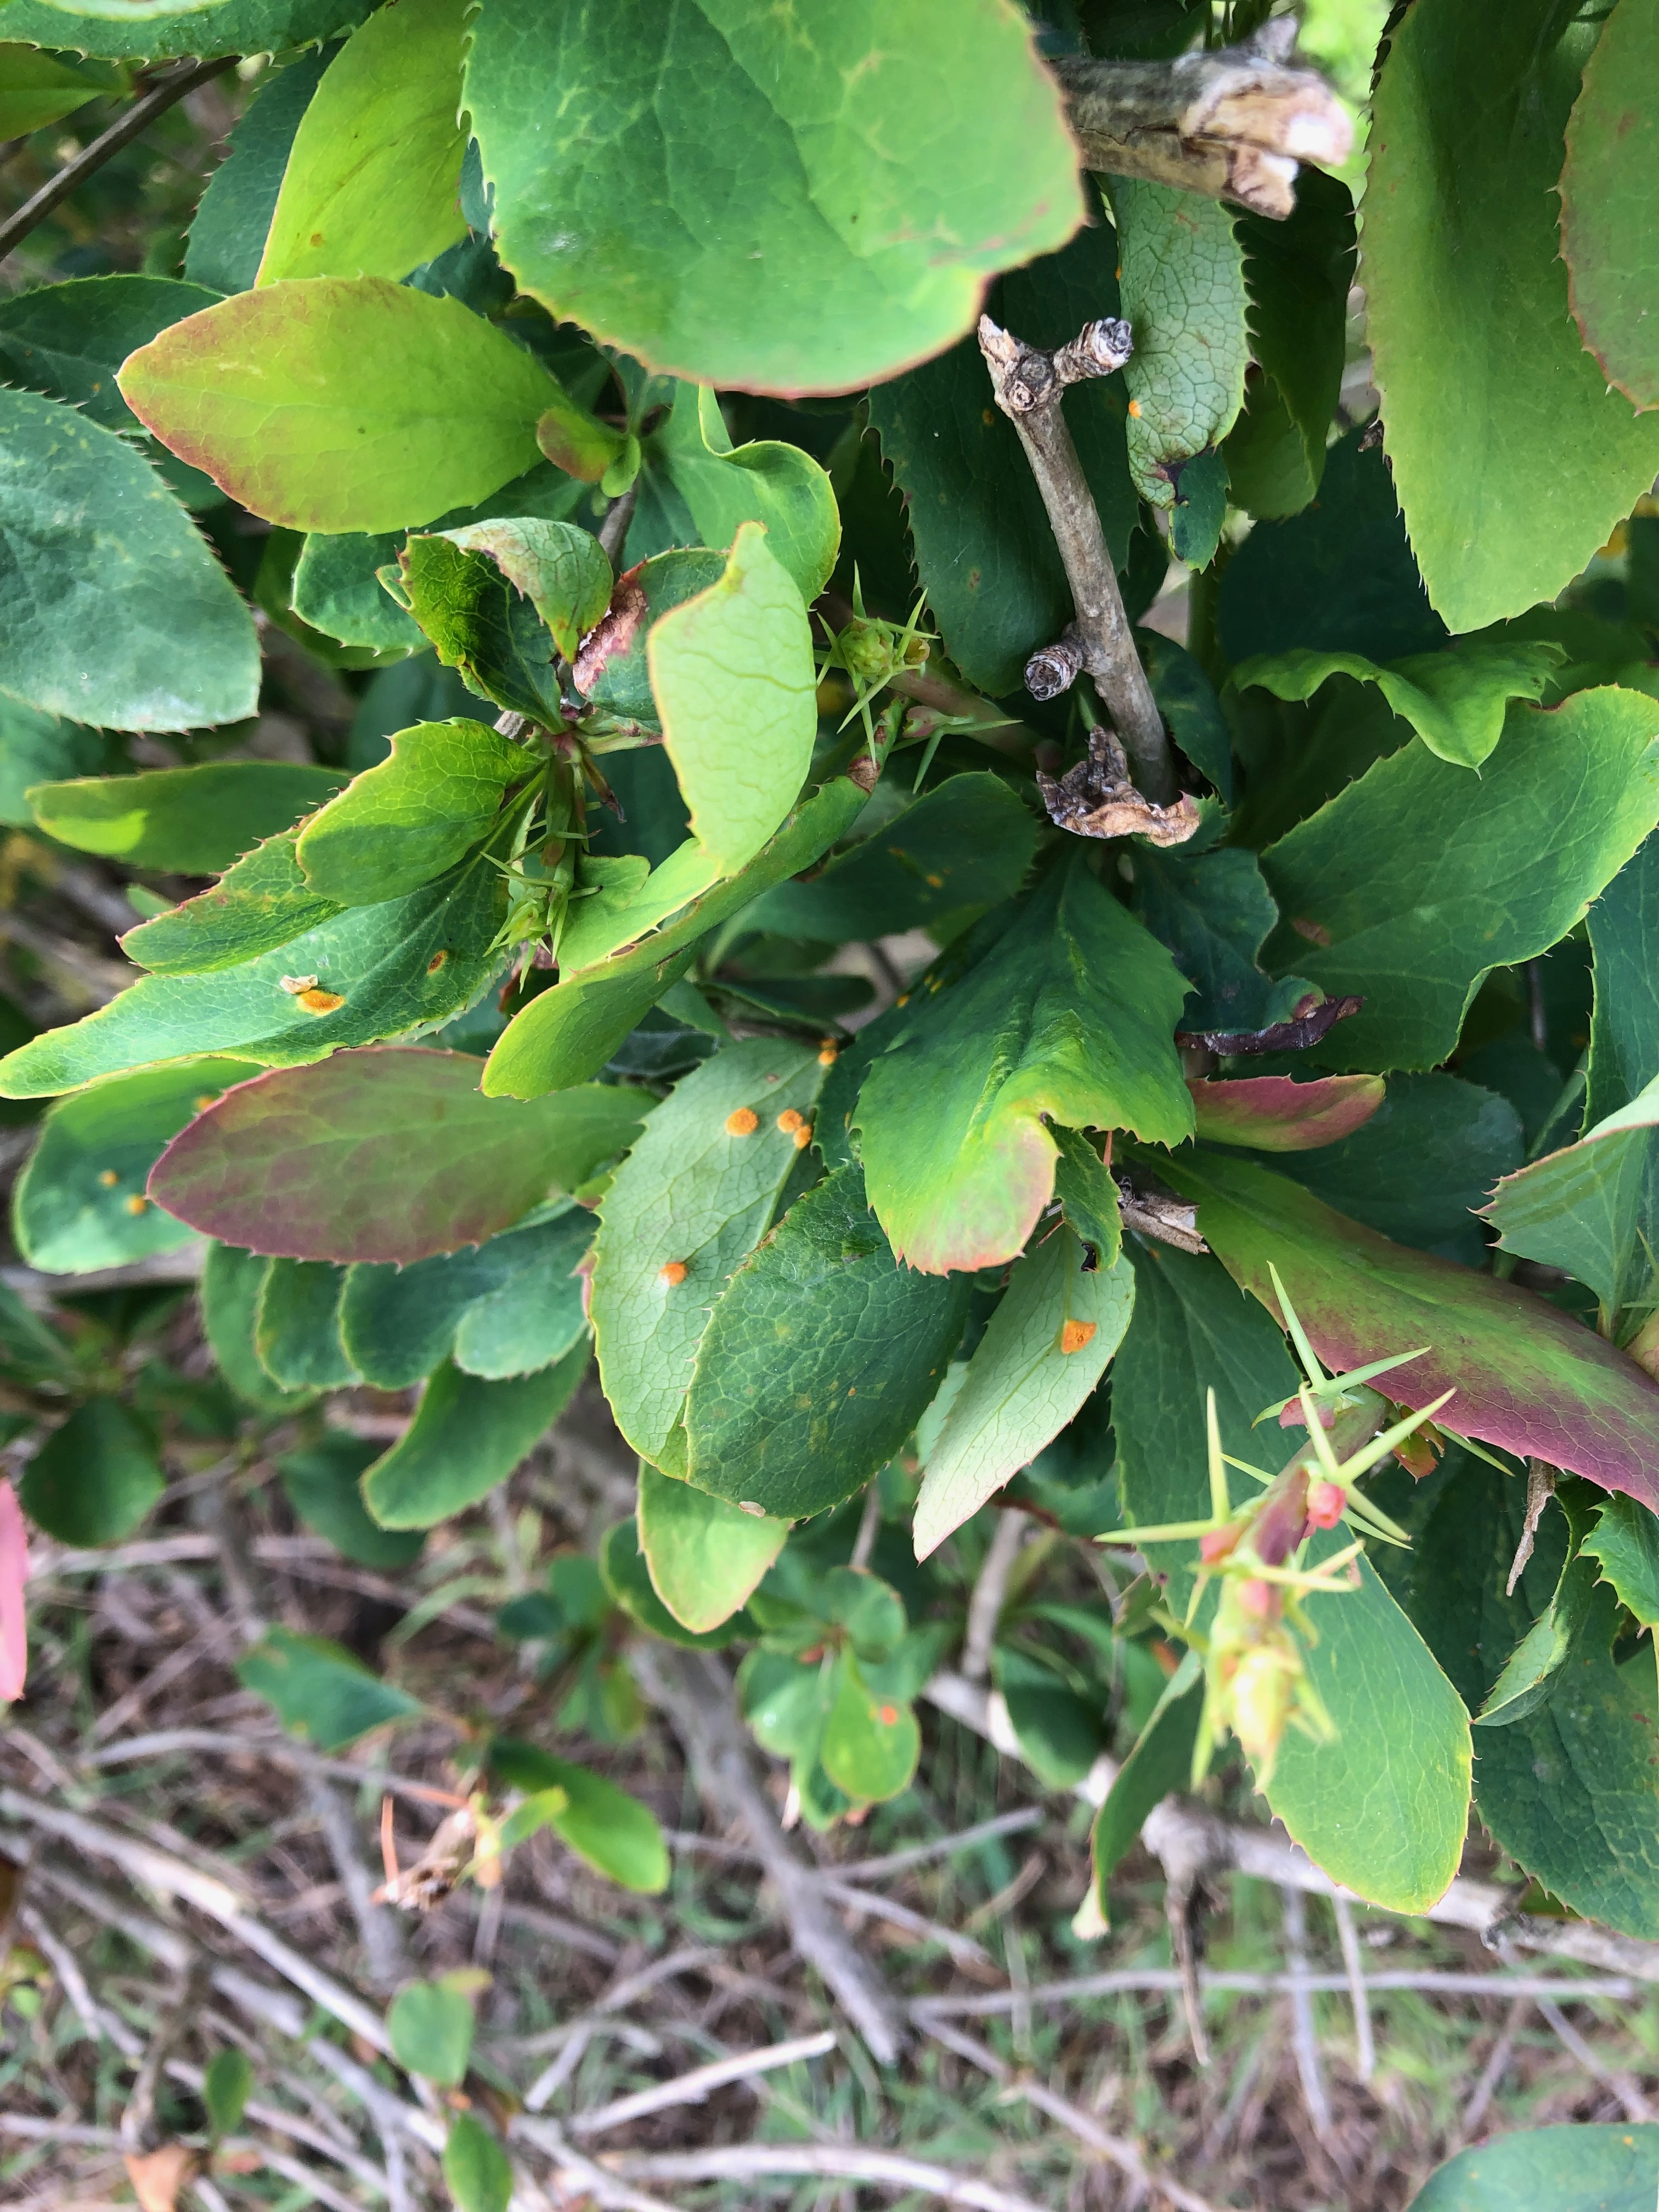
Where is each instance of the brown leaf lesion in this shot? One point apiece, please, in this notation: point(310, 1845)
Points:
point(1097, 798)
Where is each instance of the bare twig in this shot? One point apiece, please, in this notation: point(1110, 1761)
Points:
point(1353, 1967)
point(1497, 2066)
point(962, 1948)
point(983, 1832)
point(99, 2023)
point(1027, 384)
point(834, 2161)
point(1233, 123)
point(696, 1695)
point(1636, 2105)
point(991, 1592)
point(613, 531)
point(138, 2118)
point(1304, 2039)
point(1541, 1488)
point(1124, 2155)
point(138, 117)
point(693, 2088)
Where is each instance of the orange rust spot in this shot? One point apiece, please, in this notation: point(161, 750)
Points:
point(902, 1000)
point(742, 1123)
point(803, 1136)
point(828, 1053)
point(1077, 1334)
point(109, 1178)
point(935, 883)
point(208, 1098)
point(789, 1121)
point(137, 1204)
point(1134, 409)
point(673, 1273)
point(317, 1001)
point(887, 1714)
point(436, 962)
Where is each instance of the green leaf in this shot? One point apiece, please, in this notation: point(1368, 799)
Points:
point(705, 1556)
point(566, 1034)
point(226, 2087)
point(92, 545)
point(397, 969)
point(613, 1832)
point(430, 2025)
point(1609, 2168)
point(1420, 1165)
point(467, 1436)
point(1339, 577)
point(1180, 282)
point(559, 567)
point(1531, 1668)
point(1068, 1016)
point(1057, 1731)
point(628, 1578)
point(1456, 701)
point(80, 1204)
point(1609, 207)
point(696, 1193)
point(984, 548)
point(1192, 1331)
point(1187, 700)
point(481, 625)
point(1088, 1198)
point(1297, 274)
point(229, 27)
point(384, 1155)
point(1528, 1378)
point(732, 674)
point(321, 1483)
point(372, 181)
point(1215, 913)
point(37, 89)
point(233, 216)
point(1384, 1807)
point(261, 902)
point(1415, 882)
point(1568, 1790)
point(1044, 1349)
point(617, 902)
point(296, 1327)
point(612, 673)
point(1625, 1542)
point(1275, 1113)
point(477, 2172)
point(869, 1744)
point(401, 824)
point(834, 242)
point(37, 748)
point(333, 403)
point(767, 482)
point(94, 1480)
point(318, 1691)
point(1161, 1761)
point(67, 340)
point(337, 585)
point(231, 1284)
point(1581, 1208)
point(967, 842)
point(187, 821)
point(819, 1359)
point(1486, 383)
point(509, 1307)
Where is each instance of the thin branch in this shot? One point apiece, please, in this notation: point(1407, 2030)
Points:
point(991, 1593)
point(1232, 124)
point(137, 119)
point(983, 1832)
point(101, 2024)
point(138, 2118)
point(694, 2089)
point(1027, 384)
point(1636, 2105)
point(1497, 2066)
point(697, 1698)
point(834, 2161)
point(1167, 1981)
point(1304, 2039)
point(1353, 1967)
point(1126, 2156)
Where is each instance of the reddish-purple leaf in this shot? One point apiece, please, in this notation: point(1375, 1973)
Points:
point(1528, 1378)
point(1272, 1114)
point(389, 1153)
point(14, 1575)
